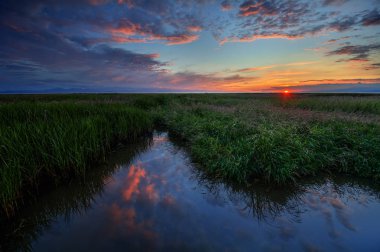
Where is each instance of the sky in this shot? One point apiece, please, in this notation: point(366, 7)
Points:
point(64, 46)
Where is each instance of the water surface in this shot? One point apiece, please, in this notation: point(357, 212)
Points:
point(151, 197)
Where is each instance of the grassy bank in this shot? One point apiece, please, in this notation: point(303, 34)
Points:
point(57, 140)
point(244, 139)
point(238, 137)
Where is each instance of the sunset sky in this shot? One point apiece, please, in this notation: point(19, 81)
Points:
point(189, 46)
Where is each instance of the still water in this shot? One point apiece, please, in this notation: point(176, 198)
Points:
point(151, 197)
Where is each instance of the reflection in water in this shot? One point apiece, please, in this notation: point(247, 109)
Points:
point(159, 201)
point(64, 202)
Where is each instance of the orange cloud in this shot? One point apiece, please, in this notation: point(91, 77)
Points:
point(133, 180)
point(194, 28)
point(127, 28)
point(153, 55)
point(123, 35)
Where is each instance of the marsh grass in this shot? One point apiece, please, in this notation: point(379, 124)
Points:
point(242, 138)
point(270, 147)
point(350, 104)
point(58, 140)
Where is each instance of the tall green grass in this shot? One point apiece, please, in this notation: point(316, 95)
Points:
point(276, 150)
point(57, 140)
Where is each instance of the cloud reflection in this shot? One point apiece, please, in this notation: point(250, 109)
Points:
point(143, 210)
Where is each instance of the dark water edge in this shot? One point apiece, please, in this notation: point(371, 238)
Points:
point(149, 196)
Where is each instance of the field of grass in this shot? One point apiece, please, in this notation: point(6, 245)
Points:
point(351, 104)
point(244, 140)
point(240, 138)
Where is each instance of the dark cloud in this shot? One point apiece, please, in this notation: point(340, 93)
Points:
point(331, 41)
point(40, 56)
point(334, 2)
point(262, 19)
point(208, 82)
point(291, 19)
point(343, 24)
point(262, 7)
point(373, 66)
point(67, 43)
point(118, 21)
point(226, 5)
point(172, 22)
point(357, 52)
point(371, 18)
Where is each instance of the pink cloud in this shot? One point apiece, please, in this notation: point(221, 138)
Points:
point(177, 39)
point(134, 177)
point(194, 28)
point(127, 32)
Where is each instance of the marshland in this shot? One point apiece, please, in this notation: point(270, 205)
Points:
point(197, 125)
point(257, 164)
